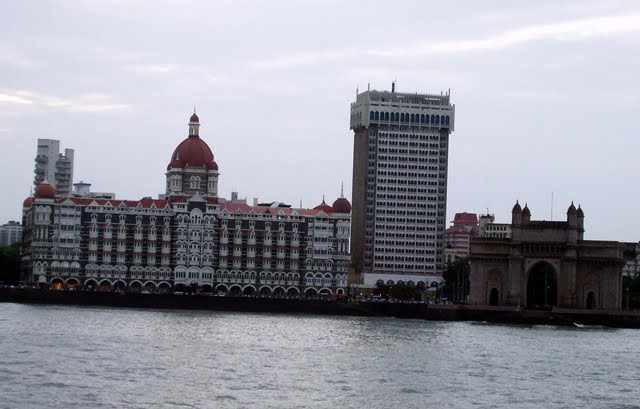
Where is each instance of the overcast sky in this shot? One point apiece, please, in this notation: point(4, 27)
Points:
point(546, 94)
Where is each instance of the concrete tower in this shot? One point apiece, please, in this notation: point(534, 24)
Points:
point(400, 162)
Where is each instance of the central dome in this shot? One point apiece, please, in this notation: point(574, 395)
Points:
point(193, 151)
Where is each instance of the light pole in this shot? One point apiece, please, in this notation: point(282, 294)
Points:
point(627, 298)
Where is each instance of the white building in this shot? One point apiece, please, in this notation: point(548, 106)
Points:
point(54, 167)
point(10, 233)
point(490, 229)
point(400, 162)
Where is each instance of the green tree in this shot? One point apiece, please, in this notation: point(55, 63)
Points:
point(404, 292)
point(456, 278)
point(10, 264)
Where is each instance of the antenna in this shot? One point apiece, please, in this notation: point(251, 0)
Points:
point(551, 206)
point(368, 86)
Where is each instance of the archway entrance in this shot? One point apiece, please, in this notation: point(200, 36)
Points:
point(494, 296)
point(591, 300)
point(542, 286)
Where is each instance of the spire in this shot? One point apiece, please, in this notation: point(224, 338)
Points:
point(342, 189)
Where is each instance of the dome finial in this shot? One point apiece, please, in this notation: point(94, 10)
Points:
point(342, 189)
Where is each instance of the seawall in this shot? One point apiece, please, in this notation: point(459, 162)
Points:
point(507, 315)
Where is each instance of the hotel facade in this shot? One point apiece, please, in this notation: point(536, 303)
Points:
point(189, 239)
point(400, 164)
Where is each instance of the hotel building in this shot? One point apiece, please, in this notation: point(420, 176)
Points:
point(190, 240)
point(400, 162)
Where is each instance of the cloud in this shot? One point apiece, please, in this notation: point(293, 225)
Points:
point(81, 103)
point(564, 31)
point(575, 30)
point(152, 68)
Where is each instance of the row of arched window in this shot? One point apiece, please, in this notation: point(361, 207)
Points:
point(411, 118)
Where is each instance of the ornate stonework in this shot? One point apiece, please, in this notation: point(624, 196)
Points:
point(546, 264)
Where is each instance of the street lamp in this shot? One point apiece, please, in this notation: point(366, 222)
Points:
point(627, 298)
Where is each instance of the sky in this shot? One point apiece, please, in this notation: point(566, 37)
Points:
point(546, 96)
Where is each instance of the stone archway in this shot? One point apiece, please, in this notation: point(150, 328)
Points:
point(494, 297)
point(542, 286)
point(591, 300)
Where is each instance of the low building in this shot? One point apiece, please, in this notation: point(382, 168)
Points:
point(190, 240)
point(457, 237)
point(488, 227)
point(10, 233)
point(546, 264)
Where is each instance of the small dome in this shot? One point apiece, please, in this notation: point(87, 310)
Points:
point(526, 211)
point(194, 118)
point(214, 166)
point(580, 212)
point(324, 207)
point(341, 205)
point(45, 191)
point(27, 202)
point(516, 208)
point(571, 209)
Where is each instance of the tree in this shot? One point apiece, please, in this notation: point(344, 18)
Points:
point(10, 264)
point(456, 278)
point(404, 292)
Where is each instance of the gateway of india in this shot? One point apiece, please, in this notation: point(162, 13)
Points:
point(546, 264)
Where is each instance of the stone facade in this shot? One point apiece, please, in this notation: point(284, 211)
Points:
point(545, 264)
point(189, 240)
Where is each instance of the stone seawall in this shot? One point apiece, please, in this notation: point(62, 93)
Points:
point(505, 315)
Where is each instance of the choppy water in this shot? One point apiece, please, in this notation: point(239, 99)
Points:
point(65, 357)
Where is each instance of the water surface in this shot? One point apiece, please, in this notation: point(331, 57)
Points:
point(89, 357)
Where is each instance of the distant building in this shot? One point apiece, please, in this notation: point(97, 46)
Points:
point(83, 189)
point(400, 163)
point(191, 239)
point(10, 233)
point(632, 260)
point(54, 167)
point(546, 264)
point(457, 237)
point(494, 230)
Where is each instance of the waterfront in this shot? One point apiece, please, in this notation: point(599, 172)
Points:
point(61, 356)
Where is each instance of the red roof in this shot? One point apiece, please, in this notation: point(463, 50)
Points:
point(324, 207)
point(45, 191)
point(465, 219)
point(194, 152)
point(341, 205)
point(27, 202)
point(194, 118)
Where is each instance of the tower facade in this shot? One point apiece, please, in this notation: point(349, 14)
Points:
point(54, 167)
point(400, 163)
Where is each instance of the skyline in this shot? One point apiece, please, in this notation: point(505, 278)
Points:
point(126, 95)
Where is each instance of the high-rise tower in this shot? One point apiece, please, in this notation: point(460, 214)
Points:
point(54, 167)
point(400, 161)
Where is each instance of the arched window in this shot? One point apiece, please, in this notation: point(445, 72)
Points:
point(446, 120)
point(442, 119)
point(402, 117)
point(377, 116)
point(413, 118)
point(433, 119)
point(422, 118)
point(371, 116)
point(386, 116)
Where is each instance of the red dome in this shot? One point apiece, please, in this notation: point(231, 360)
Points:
point(45, 191)
point(27, 202)
point(324, 207)
point(194, 152)
point(194, 118)
point(341, 205)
